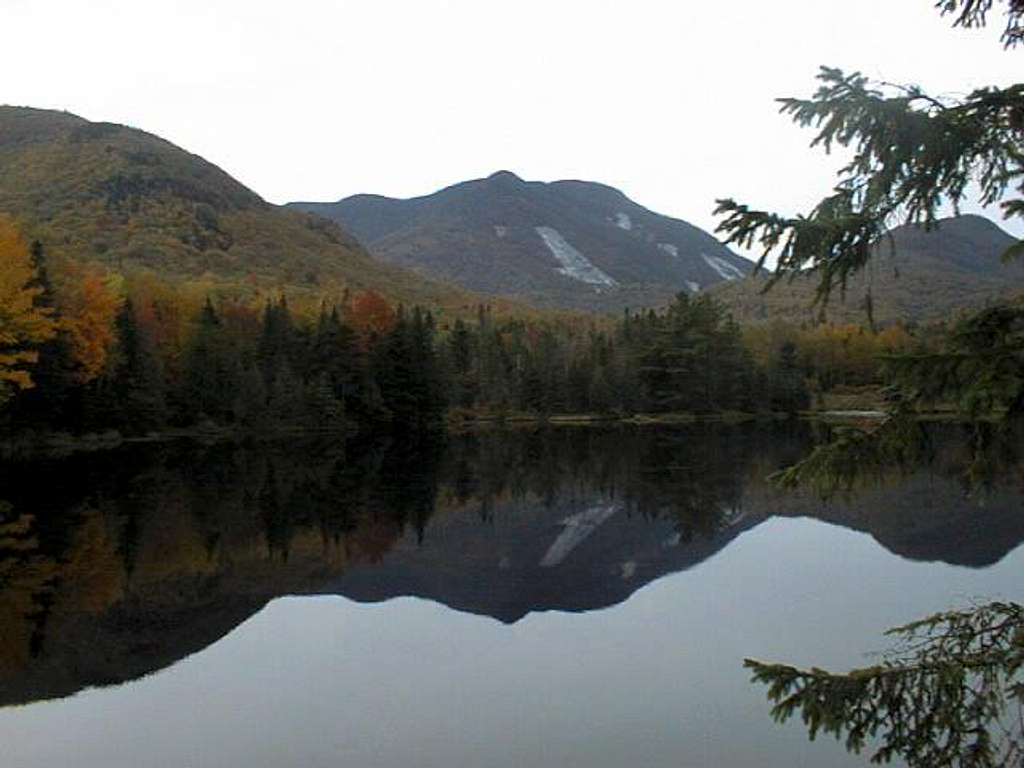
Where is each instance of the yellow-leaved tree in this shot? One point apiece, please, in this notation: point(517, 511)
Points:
point(89, 301)
point(23, 325)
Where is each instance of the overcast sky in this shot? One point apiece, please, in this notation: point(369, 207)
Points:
point(669, 101)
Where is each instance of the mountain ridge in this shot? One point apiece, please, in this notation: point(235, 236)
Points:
point(132, 200)
point(917, 275)
point(569, 243)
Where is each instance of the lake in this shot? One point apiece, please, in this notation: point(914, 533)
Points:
point(568, 597)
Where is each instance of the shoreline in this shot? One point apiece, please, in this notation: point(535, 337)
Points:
point(58, 444)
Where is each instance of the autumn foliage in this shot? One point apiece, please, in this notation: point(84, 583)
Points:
point(23, 324)
point(371, 313)
point(140, 353)
point(88, 307)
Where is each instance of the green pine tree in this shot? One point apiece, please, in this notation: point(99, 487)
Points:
point(136, 387)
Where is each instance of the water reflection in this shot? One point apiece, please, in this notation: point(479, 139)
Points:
point(113, 566)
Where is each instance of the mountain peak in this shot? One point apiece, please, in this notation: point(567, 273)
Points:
point(505, 177)
point(568, 244)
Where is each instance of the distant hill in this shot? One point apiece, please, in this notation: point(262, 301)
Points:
point(109, 193)
point(572, 244)
point(921, 275)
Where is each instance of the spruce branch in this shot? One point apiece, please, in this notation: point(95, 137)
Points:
point(912, 153)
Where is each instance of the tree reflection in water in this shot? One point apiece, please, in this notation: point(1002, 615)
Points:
point(136, 559)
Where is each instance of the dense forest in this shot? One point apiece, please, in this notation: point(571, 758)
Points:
point(92, 351)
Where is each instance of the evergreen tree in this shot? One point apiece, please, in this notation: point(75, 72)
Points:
point(460, 345)
point(24, 324)
point(55, 401)
point(136, 385)
point(336, 354)
point(322, 411)
point(434, 399)
point(394, 372)
point(285, 406)
point(736, 370)
point(911, 153)
point(276, 345)
point(323, 355)
point(691, 358)
point(950, 694)
point(945, 699)
point(787, 392)
point(407, 372)
point(495, 371)
point(212, 370)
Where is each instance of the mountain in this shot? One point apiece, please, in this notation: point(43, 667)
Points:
point(572, 244)
point(919, 275)
point(578, 557)
point(109, 193)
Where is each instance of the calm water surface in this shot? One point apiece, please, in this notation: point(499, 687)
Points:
point(573, 598)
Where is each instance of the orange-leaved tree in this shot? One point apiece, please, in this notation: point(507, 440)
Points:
point(88, 305)
point(371, 313)
point(23, 324)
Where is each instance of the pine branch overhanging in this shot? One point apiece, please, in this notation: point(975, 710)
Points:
point(912, 153)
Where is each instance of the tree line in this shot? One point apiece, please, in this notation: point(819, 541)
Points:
point(86, 350)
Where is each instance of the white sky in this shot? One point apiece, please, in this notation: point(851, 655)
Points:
point(669, 101)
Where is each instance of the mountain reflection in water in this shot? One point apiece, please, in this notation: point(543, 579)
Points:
point(113, 566)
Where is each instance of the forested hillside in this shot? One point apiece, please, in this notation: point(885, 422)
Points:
point(918, 275)
point(123, 198)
